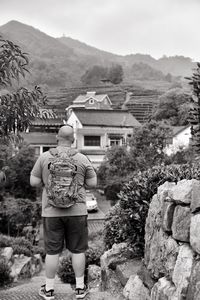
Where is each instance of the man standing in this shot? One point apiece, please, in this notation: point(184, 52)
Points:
point(64, 224)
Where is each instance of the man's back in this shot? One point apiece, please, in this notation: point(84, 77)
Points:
point(85, 174)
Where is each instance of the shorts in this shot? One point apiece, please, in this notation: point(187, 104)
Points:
point(72, 230)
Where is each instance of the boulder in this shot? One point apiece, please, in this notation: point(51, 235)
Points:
point(135, 289)
point(146, 276)
point(182, 191)
point(195, 203)
point(94, 275)
point(195, 233)
point(193, 292)
point(155, 252)
point(183, 270)
point(167, 213)
point(152, 226)
point(118, 254)
point(36, 264)
point(22, 268)
point(128, 268)
point(163, 290)
point(7, 253)
point(181, 223)
point(170, 253)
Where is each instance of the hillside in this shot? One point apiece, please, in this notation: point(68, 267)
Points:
point(61, 62)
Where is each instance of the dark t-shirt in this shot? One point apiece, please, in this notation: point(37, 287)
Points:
point(85, 171)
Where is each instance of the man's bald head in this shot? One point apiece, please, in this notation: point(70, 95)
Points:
point(66, 133)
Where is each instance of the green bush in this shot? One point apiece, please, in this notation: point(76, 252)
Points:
point(65, 270)
point(126, 221)
point(5, 241)
point(5, 277)
point(20, 245)
point(39, 250)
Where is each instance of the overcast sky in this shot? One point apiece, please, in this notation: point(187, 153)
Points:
point(155, 27)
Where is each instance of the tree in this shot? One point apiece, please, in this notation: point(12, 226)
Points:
point(148, 144)
point(194, 112)
point(18, 106)
point(146, 149)
point(115, 74)
point(18, 173)
point(94, 75)
point(173, 107)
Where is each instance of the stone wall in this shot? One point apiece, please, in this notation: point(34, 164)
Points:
point(171, 267)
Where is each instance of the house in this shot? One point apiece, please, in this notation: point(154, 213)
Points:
point(180, 139)
point(41, 134)
point(96, 130)
point(97, 126)
point(92, 101)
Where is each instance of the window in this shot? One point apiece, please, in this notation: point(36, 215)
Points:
point(37, 150)
point(92, 140)
point(44, 149)
point(115, 142)
point(91, 101)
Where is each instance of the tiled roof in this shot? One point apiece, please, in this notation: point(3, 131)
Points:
point(84, 98)
point(40, 138)
point(107, 118)
point(47, 122)
point(177, 129)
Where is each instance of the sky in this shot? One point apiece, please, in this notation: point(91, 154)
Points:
point(155, 27)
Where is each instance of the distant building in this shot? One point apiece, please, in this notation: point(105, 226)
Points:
point(98, 130)
point(180, 139)
point(97, 127)
point(91, 101)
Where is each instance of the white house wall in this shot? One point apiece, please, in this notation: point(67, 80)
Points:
point(180, 141)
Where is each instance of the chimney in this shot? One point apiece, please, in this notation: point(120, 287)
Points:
point(90, 94)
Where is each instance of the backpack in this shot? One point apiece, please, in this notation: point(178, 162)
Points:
point(62, 186)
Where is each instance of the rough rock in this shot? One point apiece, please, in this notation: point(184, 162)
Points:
point(195, 233)
point(135, 289)
point(167, 213)
point(146, 276)
point(126, 269)
point(155, 253)
point(94, 276)
point(118, 254)
point(193, 292)
point(152, 226)
point(7, 252)
point(170, 253)
point(36, 264)
point(163, 290)
point(181, 223)
point(183, 269)
point(182, 191)
point(165, 188)
point(21, 268)
point(195, 203)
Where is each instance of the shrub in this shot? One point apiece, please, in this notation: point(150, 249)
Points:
point(5, 277)
point(39, 250)
point(5, 241)
point(20, 245)
point(65, 270)
point(126, 221)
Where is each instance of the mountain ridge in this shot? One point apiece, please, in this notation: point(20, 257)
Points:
point(62, 61)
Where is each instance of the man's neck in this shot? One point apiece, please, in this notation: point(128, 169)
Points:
point(68, 145)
